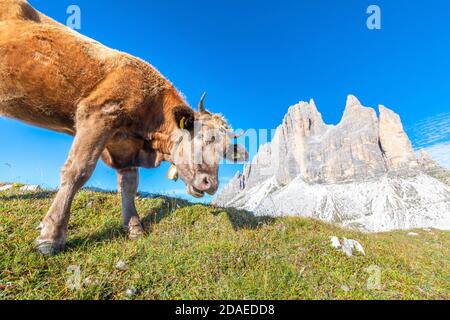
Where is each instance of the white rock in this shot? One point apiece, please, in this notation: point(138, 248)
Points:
point(347, 247)
point(6, 187)
point(91, 282)
point(356, 245)
point(335, 243)
point(30, 188)
point(130, 292)
point(414, 234)
point(120, 265)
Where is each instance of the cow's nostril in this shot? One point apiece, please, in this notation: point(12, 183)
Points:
point(206, 182)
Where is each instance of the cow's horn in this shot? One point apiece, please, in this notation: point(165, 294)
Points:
point(201, 107)
point(234, 135)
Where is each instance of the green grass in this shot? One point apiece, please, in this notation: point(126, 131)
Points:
point(199, 252)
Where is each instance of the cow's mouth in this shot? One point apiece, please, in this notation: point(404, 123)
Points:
point(193, 191)
point(172, 174)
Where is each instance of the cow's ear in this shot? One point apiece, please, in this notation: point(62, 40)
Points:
point(184, 117)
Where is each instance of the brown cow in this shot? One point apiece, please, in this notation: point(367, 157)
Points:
point(118, 107)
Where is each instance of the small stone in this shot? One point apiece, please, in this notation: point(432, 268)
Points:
point(335, 243)
point(120, 265)
point(130, 292)
point(345, 288)
point(347, 247)
point(414, 234)
point(91, 282)
point(357, 246)
point(6, 187)
point(30, 188)
point(428, 229)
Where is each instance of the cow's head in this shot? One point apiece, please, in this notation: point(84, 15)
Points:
point(202, 140)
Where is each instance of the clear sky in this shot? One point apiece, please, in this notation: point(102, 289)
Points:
point(255, 59)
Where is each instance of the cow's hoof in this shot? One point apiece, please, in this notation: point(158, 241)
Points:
point(49, 248)
point(135, 232)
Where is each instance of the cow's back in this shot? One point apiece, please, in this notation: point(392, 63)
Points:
point(45, 67)
point(18, 10)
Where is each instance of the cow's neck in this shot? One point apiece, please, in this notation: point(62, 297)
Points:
point(162, 143)
point(163, 139)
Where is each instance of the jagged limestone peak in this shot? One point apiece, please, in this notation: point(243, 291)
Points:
point(352, 101)
point(394, 142)
point(362, 172)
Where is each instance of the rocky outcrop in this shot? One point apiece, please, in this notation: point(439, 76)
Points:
point(426, 162)
point(361, 172)
point(432, 168)
point(394, 142)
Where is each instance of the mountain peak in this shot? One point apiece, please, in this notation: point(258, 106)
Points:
point(361, 172)
point(388, 113)
point(426, 162)
point(352, 101)
point(394, 142)
point(355, 111)
point(304, 115)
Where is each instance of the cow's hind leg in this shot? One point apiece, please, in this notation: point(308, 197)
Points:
point(127, 184)
point(90, 139)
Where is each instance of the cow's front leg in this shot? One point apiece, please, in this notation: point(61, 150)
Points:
point(128, 180)
point(87, 146)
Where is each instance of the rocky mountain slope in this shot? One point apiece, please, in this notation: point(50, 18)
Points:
point(361, 173)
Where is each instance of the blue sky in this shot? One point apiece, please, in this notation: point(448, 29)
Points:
point(255, 59)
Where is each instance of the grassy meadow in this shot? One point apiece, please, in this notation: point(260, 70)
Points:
point(200, 252)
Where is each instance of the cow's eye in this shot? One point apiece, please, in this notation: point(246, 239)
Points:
point(212, 140)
